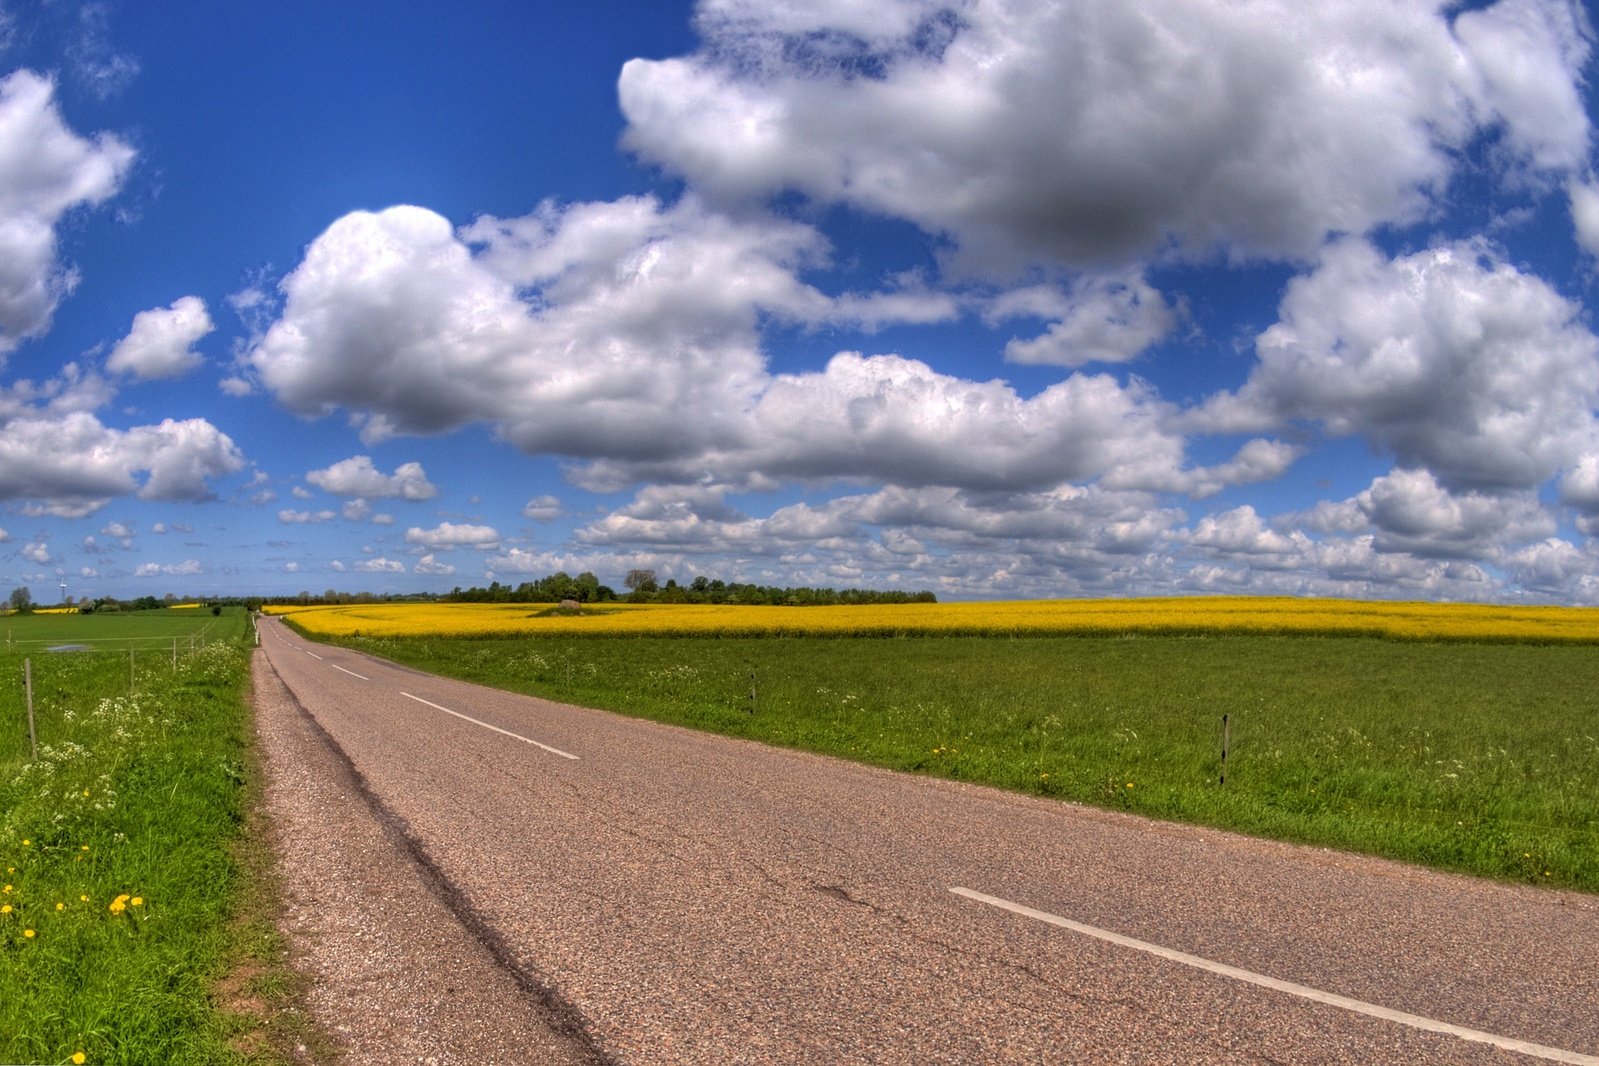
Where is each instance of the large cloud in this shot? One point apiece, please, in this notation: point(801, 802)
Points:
point(75, 463)
point(1449, 359)
point(637, 334)
point(46, 170)
point(628, 335)
point(1099, 130)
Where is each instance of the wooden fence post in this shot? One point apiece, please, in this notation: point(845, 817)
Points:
point(27, 683)
point(1226, 735)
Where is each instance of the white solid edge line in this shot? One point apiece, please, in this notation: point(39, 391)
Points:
point(352, 673)
point(497, 729)
point(1304, 991)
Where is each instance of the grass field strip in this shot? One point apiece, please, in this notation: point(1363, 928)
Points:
point(1415, 1021)
point(495, 728)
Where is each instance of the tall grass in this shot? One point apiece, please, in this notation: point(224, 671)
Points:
point(114, 854)
point(1479, 758)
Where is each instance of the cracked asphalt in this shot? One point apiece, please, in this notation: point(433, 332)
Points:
point(669, 896)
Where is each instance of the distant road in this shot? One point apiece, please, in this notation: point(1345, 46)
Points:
point(691, 898)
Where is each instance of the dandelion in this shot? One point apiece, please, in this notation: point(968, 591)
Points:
point(79, 1058)
point(1129, 784)
point(27, 843)
point(84, 847)
point(83, 899)
point(29, 933)
point(118, 905)
point(136, 901)
point(5, 909)
point(7, 889)
point(60, 906)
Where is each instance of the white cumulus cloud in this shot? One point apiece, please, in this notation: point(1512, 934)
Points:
point(161, 342)
point(1098, 131)
point(1449, 359)
point(449, 535)
point(358, 477)
point(46, 171)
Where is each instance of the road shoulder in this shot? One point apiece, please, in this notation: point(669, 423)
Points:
point(395, 975)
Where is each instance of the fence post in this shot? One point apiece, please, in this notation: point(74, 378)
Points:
point(27, 683)
point(1226, 731)
point(174, 655)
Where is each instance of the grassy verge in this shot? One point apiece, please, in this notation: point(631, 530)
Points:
point(1469, 757)
point(260, 997)
point(118, 847)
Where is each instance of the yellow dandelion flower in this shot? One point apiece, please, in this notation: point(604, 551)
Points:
point(83, 899)
point(79, 1058)
point(1129, 784)
point(84, 847)
point(136, 901)
point(6, 889)
point(6, 909)
point(118, 905)
point(27, 843)
point(29, 933)
point(60, 906)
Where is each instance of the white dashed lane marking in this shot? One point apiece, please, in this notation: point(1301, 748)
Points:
point(1332, 999)
point(495, 728)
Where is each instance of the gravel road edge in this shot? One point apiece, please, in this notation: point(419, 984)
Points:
point(402, 968)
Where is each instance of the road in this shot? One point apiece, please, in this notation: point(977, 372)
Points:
point(669, 896)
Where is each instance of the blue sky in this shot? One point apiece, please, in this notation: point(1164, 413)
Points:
point(998, 298)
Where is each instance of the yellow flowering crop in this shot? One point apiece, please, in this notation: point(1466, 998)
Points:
point(1218, 615)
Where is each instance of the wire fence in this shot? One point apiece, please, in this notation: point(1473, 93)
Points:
point(45, 682)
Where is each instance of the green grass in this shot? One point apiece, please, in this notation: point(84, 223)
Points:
point(137, 794)
point(1469, 757)
point(143, 631)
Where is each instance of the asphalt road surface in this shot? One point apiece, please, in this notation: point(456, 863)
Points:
point(651, 894)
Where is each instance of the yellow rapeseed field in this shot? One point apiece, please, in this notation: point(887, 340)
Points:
point(1176, 615)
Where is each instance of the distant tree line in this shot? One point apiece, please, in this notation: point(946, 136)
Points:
point(643, 587)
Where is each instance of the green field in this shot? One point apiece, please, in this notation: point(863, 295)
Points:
point(25, 633)
point(1471, 757)
point(119, 907)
